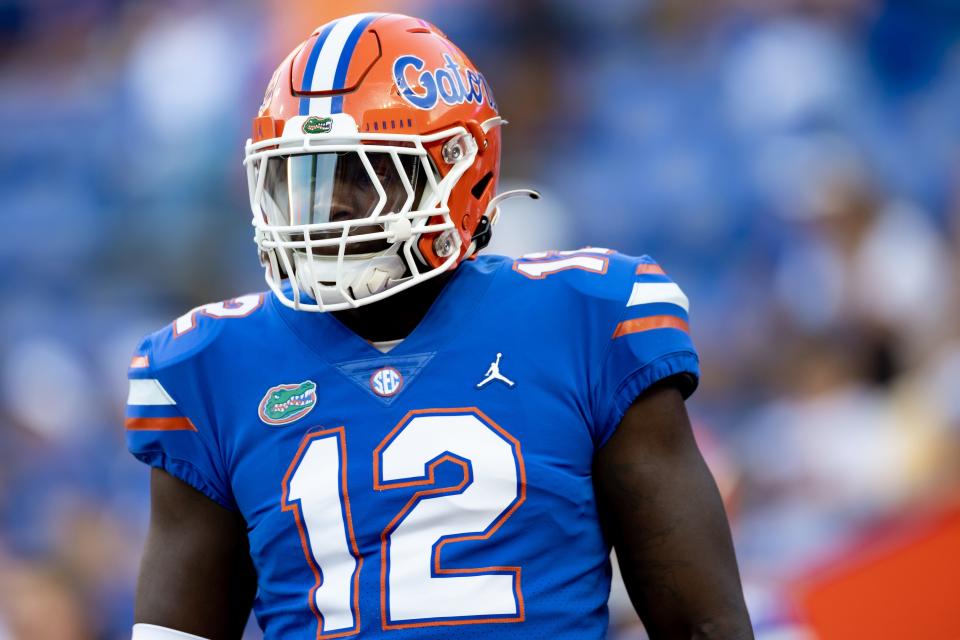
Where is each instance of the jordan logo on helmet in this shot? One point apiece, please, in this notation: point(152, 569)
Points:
point(451, 83)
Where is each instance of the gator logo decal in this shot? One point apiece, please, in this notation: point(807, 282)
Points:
point(286, 403)
point(314, 124)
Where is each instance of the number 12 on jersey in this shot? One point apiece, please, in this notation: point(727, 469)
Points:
point(416, 591)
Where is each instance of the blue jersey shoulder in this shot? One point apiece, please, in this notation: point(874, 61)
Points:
point(194, 331)
point(577, 272)
point(621, 315)
point(170, 422)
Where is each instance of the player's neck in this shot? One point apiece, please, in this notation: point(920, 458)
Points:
point(396, 317)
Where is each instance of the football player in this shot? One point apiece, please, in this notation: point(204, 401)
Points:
point(403, 438)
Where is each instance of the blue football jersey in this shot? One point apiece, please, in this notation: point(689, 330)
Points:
point(441, 490)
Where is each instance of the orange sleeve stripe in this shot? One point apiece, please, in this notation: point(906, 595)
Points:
point(140, 362)
point(649, 269)
point(649, 324)
point(159, 424)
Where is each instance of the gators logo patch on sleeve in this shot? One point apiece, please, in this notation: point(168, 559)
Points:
point(287, 403)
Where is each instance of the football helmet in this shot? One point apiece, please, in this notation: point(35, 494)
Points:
point(373, 163)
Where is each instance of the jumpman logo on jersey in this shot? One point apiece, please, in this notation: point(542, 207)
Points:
point(493, 373)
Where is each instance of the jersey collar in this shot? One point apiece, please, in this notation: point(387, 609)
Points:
point(447, 321)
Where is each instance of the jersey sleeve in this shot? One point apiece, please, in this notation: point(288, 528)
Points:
point(168, 425)
point(645, 318)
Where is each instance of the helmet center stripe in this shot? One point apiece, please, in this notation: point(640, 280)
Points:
point(343, 66)
point(335, 45)
point(312, 65)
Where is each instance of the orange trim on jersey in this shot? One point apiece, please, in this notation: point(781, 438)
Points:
point(650, 323)
point(140, 362)
point(159, 424)
point(415, 499)
point(304, 542)
point(650, 270)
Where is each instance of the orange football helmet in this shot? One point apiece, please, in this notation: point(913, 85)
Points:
point(373, 163)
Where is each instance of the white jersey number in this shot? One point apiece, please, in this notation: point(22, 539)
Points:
point(538, 266)
point(417, 590)
point(237, 308)
point(315, 489)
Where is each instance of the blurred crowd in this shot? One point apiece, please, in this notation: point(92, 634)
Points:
point(793, 164)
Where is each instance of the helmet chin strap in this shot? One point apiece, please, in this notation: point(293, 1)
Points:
point(370, 277)
point(378, 276)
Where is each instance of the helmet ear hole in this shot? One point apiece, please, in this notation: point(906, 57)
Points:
point(481, 186)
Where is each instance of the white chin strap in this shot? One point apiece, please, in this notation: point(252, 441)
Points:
point(359, 278)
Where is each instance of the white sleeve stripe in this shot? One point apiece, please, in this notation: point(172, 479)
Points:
point(153, 632)
point(651, 292)
point(148, 392)
point(328, 61)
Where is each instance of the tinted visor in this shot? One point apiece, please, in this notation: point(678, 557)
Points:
point(336, 187)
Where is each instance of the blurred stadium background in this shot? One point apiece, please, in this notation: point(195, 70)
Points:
point(794, 164)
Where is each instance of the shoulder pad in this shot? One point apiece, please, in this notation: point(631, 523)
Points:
point(194, 330)
point(581, 267)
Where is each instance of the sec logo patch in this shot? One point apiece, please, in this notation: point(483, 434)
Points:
point(386, 382)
